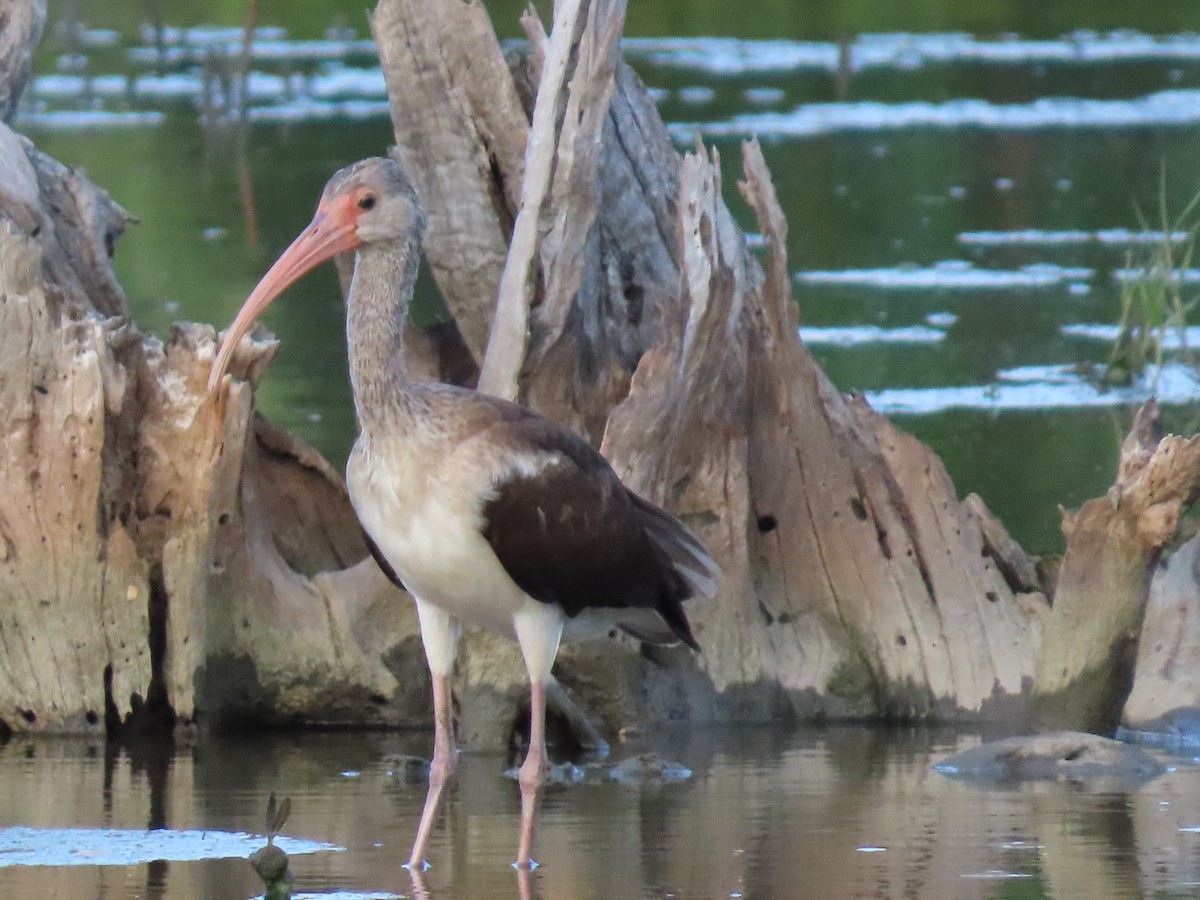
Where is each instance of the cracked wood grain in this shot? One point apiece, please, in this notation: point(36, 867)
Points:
point(1087, 659)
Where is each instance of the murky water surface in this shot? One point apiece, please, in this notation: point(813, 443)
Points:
point(767, 813)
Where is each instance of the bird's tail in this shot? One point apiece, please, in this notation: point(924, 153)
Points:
point(691, 573)
point(687, 556)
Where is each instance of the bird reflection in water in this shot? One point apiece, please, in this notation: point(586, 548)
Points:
point(525, 884)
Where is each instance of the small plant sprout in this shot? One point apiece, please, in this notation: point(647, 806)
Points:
point(1154, 303)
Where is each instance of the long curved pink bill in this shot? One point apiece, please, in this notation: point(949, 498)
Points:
point(331, 231)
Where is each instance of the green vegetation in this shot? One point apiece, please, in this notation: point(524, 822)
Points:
point(1154, 298)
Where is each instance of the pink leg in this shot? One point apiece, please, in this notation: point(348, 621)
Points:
point(440, 770)
point(524, 884)
point(532, 774)
point(420, 890)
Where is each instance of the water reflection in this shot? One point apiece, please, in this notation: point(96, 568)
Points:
point(525, 885)
point(767, 813)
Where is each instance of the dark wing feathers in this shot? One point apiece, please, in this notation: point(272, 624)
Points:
point(572, 534)
point(682, 548)
point(381, 560)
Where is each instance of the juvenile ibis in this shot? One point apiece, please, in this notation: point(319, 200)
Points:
point(490, 514)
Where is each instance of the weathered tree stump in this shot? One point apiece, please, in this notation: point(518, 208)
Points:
point(21, 24)
point(1165, 699)
point(855, 582)
point(1085, 663)
point(160, 557)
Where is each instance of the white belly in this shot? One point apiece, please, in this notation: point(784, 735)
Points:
point(428, 528)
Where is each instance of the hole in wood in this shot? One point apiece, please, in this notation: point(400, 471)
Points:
point(27, 714)
point(766, 524)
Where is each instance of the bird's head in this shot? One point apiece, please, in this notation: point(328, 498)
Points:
point(369, 202)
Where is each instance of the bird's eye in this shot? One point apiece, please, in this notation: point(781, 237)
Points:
point(367, 201)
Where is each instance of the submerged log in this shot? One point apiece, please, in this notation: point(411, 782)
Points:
point(1075, 757)
point(1085, 663)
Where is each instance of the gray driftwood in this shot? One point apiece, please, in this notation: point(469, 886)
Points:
point(158, 555)
point(21, 24)
point(1085, 663)
point(855, 582)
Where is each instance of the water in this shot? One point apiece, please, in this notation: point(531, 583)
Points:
point(838, 812)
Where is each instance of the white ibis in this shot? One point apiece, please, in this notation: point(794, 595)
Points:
point(490, 514)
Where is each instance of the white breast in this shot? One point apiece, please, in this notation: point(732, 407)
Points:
point(423, 511)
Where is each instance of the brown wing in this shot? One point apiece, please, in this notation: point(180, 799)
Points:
point(572, 534)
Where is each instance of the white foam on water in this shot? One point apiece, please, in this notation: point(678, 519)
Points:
point(82, 119)
point(1171, 338)
point(175, 86)
point(1175, 107)
point(696, 95)
point(764, 96)
point(25, 846)
point(260, 50)
point(948, 275)
point(731, 56)
point(859, 335)
point(1182, 276)
point(1039, 388)
point(55, 86)
point(347, 82)
point(1045, 374)
point(305, 110)
point(1039, 237)
point(905, 51)
point(208, 34)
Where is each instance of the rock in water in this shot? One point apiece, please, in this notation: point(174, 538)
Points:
point(1061, 755)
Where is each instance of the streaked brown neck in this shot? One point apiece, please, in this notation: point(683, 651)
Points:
point(380, 293)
